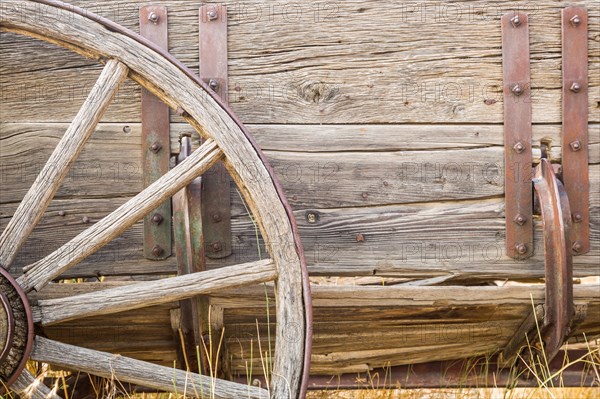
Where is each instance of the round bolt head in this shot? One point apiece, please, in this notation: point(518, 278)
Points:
point(62, 213)
point(212, 15)
point(312, 217)
point(519, 147)
point(517, 89)
point(575, 145)
point(360, 238)
point(153, 17)
point(577, 217)
point(155, 147)
point(216, 217)
point(576, 20)
point(216, 246)
point(575, 87)
point(521, 249)
point(157, 250)
point(577, 246)
point(85, 219)
point(157, 218)
point(520, 220)
point(516, 21)
point(213, 84)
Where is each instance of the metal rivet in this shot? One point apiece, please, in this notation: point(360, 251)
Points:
point(216, 246)
point(62, 213)
point(157, 250)
point(575, 87)
point(157, 218)
point(212, 15)
point(516, 21)
point(213, 84)
point(365, 195)
point(517, 89)
point(577, 217)
point(216, 217)
point(575, 145)
point(155, 147)
point(576, 20)
point(360, 238)
point(153, 17)
point(85, 219)
point(577, 246)
point(519, 147)
point(521, 249)
point(520, 220)
point(312, 217)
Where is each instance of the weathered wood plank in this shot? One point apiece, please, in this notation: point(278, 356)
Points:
point(346, 62)
point(29, 387)
point(138, 372)
point(50, 178)
point(141, 295)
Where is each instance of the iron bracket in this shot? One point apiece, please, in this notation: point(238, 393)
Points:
point(564, 209)
point(155, 141)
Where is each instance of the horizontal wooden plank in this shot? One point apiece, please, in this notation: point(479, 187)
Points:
point(345, 62)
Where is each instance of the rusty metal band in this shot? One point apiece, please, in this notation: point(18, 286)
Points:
point(216, 185)
point(29, 321)
point(518, 155)
point(155, 141)
point(575, 148)
point(10, 330)
point(558, 261)
point(112, 26)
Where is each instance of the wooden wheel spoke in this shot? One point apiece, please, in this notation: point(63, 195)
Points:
point(125, 369)
point(91, 240)
point(155, 292)
point(29, 387)
point(47, 183)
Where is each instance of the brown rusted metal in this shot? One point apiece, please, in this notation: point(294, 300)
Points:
point(307, 298)
point(518, 156)
point(189, 250)
point(27, 321)
point(558, 261)
point(575, 171)
point(155, 140)
point(10, 327)
point(216, 183)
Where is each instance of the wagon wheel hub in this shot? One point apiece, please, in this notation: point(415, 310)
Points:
point(16, 329)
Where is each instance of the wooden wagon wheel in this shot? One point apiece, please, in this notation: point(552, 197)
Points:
point(126, 54)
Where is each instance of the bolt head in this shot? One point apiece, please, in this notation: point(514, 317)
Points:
point(212, 15)
point(62, 213)
point(312, 217)
point(153, 17)
point(576, 20)
point(516, 21)
point(85, 219)
point(521, 249)
point(157, 250)
point(157, 218)
point(517, 89)
point(213, 84)
point(575, 145)
point(155, 147)
point(577, 246)
point(216, 217)
point(519, 147)
point(360, 237)
point(520, 220)
point(365, 195)
point(216, 246)
point(575, 87)
point(577, 217)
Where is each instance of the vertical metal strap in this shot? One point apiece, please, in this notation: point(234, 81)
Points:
point(216, 204)
point(155, 141)
point(575, 123)
point(518, 156)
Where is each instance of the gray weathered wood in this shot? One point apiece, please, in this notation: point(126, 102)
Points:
point(138, 372)
point(91, 240)
point(152, 293)
point(66, 152)
point(31, 388)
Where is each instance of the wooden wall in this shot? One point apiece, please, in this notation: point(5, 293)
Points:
point(383, 118)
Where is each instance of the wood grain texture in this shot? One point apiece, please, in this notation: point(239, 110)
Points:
point(156, 292)
point(138, 372)
point(332, 62)
point(31, 388)
point(64, 155)
point(91, 240)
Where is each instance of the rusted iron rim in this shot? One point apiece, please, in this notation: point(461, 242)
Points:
point(558, 261)
point(10, 334)
point(29, 345)
point(112, 26)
